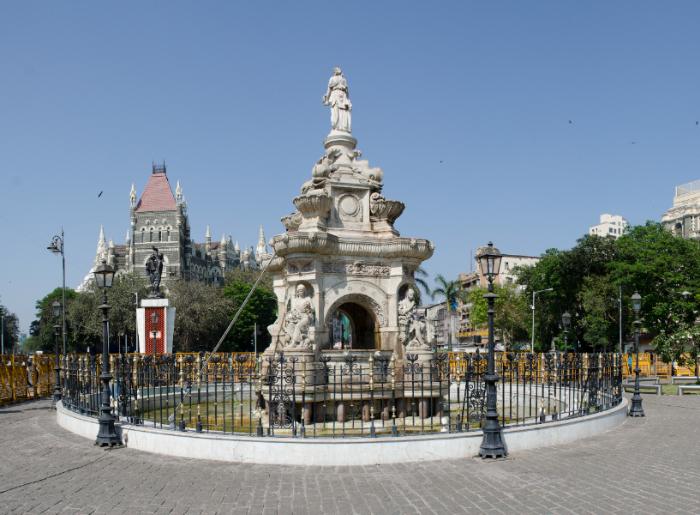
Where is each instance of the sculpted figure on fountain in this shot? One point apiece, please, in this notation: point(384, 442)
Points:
point(299, 320)
point(337, 97)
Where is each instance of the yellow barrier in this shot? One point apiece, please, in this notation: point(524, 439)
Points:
point(22, 378)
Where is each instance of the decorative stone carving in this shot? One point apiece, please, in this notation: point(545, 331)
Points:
point(349, 208)
point(409, 272)
point(292, 222)
point(314, 207)
point(410, 330)
point(372, 174)
point(298, 320)
point(337, 97)
point(356, 268)
point(383, 209)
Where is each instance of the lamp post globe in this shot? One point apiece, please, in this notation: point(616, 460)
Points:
point(107, 434)
point(57, 308)
point(636, 409)
point(566, 321)
point(492, 445)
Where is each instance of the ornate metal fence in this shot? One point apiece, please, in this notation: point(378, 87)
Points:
point(341, 395)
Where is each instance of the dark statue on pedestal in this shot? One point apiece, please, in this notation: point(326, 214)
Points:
point(154, 267)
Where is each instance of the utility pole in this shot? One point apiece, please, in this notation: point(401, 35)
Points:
point(2, 330)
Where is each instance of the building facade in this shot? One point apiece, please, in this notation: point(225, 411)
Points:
point(610, 225)
point(506, 275)
point(684, 217)
point(159, 219)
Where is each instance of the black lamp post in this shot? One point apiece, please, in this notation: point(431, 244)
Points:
point(57, 309)
point(566, 320)
point(107, 435)
point(492, 445)
point(154, 323)
point(636, 409)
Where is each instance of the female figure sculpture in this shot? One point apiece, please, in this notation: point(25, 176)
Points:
point(337, 97)
point(299, 319)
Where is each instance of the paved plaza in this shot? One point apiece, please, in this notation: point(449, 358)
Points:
point(649, 465)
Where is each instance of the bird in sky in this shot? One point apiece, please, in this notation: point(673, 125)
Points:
point(569, 121)
point(101, 192)
point(696, 123)
point(634, 142)
point(441, 161)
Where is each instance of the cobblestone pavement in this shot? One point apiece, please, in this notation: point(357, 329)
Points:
point(649, 465)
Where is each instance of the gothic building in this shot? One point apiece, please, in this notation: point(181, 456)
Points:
point(684, 217)
point(159, 219)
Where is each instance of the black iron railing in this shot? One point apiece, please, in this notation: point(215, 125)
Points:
point(344, 394)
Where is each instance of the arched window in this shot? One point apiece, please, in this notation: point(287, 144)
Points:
point(150, 235)
point(160, 235)
point(679, 229)
point(168, 233)
point(143, 235)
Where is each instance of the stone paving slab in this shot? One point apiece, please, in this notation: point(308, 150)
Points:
point(647, 466)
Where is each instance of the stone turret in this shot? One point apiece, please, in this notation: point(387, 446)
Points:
point(208, 240)
point(262, 244)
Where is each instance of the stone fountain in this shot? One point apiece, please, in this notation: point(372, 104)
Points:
point(342, 259)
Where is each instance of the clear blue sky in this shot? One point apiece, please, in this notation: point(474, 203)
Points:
point(464, 105)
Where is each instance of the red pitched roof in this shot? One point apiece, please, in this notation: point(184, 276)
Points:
point(157, 196)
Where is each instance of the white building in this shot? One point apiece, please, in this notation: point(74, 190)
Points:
point(610, 225)
point(684, 217)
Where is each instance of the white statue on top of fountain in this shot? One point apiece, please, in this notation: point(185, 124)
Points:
point(337, 97)
point(298, 320)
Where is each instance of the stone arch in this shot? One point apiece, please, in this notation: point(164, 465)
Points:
point(678, 230)
point(372, 306)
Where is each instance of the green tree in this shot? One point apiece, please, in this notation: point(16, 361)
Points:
point(601, 319)
point(85, 319)
point(566, 272)
point(674, 346)
point(238, 275)
point(452, 292)
point(511, 312)
point(261, 309)
point(43, 334)
point(201, 314)
point(665, 270)
point(10, 329)
point(420, 273)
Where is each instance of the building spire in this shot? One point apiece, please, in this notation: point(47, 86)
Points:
point(132, 195)
point(178, 193)
point(262, 245)
point(128, 237)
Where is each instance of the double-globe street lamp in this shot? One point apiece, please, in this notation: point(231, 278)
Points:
point(492, 446)
point(57, 248)
point(107, 435)
point(636, 409)
point(57, 309)
point(566, 320)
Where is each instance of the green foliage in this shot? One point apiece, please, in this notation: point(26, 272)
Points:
point(85, 319)
point(261, 308)
point(511, 312)
point(452, 292)
point(420, 283)
point(247, 277)
point(10, 329)
point(673, 346)
point(201, 315)
point(661, 267)
point(568, 272)
point(42, 329)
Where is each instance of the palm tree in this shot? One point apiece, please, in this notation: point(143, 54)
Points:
point(452, 291)
point(419, 274)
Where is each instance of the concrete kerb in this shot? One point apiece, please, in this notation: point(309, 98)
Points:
point(343, 451)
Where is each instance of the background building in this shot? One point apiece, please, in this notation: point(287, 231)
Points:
point(684, 217)
point(159, 219)
point(610, 225)
point(506, 275)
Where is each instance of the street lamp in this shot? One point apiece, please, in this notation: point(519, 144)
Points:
point(57, 309)
point(57, 248)
point(636, 409)
point(154, 323)
point(107, 435)
point(492, 446)
point(566, 320)
point(532, 348)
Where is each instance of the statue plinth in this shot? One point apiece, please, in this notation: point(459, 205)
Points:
point(162, 333)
